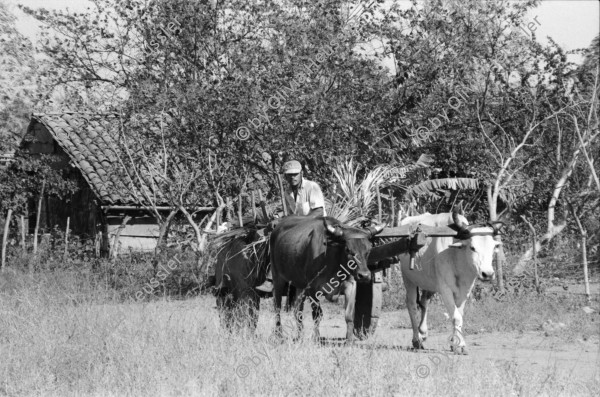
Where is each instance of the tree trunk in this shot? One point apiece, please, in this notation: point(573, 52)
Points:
point(163, 230)
point(534, 249)
point(583, 253)
point(552, 230)
point(5, 239)
point(114, 247)
point(500, 257)
point(37, 218)
point(586, 279)
point(202, 242)
point(196, 227)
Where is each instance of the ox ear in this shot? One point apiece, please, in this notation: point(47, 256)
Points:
point(456, 245)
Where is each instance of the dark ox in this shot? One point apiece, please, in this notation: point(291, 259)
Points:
point(236, 276)
point(312, 252)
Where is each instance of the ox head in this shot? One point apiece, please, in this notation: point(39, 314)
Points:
point(357, 245)
point(478, 244)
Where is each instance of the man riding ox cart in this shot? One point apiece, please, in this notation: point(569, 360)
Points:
point(315, 253)
point(303, 198)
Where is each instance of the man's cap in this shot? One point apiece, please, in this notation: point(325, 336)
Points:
point(292, 167)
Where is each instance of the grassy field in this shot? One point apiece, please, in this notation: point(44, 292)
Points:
point(63, 335)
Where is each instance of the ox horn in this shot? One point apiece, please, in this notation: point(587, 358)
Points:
point(463, 231)
point(373, 230)
point(458, 222)
point(334, 230)
point(497, 226)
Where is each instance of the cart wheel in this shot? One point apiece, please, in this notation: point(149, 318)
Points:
point(368, 306)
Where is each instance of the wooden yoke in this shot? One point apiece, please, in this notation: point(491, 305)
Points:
point(411, 238)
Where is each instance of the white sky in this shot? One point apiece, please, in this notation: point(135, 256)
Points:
point(571, 23)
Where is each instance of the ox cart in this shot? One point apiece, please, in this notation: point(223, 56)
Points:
point(388, 244)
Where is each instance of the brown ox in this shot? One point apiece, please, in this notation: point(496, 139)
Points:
point(310, 253)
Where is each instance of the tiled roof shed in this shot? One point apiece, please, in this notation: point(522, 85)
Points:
point(91, 142)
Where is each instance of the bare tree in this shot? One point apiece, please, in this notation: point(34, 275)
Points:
point(582, 119)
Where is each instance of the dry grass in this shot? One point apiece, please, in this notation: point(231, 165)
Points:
point(62, 336)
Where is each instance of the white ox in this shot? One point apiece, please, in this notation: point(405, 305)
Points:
point(448, 266)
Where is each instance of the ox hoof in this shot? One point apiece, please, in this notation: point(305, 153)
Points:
point(459, 350)
point(418, 344)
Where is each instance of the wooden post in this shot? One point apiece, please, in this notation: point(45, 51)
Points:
point(66, 253)
point(5, 238)
point(535, 269)
point(263, 206)
point(392, 204)
point(253, 206)
point(37, 219)
point(240, 210)
point(378, 203)
point(23, 242)
point(586, 279)
point(282, 192)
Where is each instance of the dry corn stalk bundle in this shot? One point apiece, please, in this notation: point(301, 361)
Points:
point(354, 202)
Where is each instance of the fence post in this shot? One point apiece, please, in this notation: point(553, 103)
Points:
point(66, 253)
point(5, 238)
point(37, 219)
point(23, 242)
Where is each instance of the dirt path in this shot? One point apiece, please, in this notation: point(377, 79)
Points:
point(529, 351)
point(533, 350)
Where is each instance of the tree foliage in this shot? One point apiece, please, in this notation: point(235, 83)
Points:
point(239, 87)
point(17, 80)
